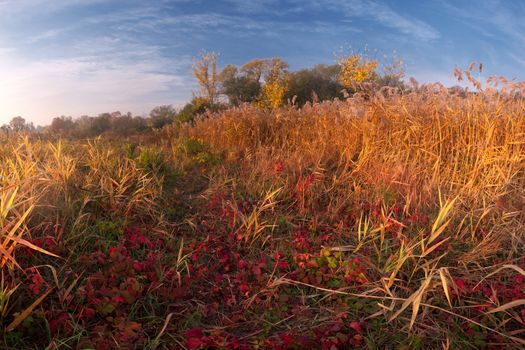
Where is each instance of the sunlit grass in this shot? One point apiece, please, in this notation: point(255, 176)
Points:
point(404, 212)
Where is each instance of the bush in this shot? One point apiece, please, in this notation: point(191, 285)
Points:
point(152, 160)
point(198, 105)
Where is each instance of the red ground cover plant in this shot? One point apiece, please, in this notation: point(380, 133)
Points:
point(228, 295)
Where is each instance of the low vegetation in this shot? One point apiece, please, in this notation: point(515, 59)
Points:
point(386, 219)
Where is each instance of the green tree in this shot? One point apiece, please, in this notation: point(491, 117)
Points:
point(256, 68)
point(161, 115)
point(241, 89)
point(318, 83)
point(239, 86)
point(196, 106)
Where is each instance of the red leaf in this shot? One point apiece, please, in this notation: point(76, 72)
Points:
point(194, 343)
point(244, 287)
point(194, 333)
point(355, 326)
point(242, 264)
point(88, 313)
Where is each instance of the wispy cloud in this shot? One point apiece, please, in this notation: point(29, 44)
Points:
point(383, 14)
point(90, 84)
point(48, 34)
point(504, 18)
point(150, 20)
point(27, 7)
point(499, 27)
point(254, 6)
point(93, 72)
point(518, 59)
point(379, 12)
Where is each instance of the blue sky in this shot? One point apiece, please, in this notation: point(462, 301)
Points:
point(75, 57)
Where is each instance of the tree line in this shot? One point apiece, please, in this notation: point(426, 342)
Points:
point(266, 82)
point(269, 83)
point(115, 123)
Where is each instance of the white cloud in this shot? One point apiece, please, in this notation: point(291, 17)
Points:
point(75, 86)
point(20, 7)
point(48, 34)
point(519, 59)
point(254, 6)
point(383, 14)
point(490, 16)
point(93, 73)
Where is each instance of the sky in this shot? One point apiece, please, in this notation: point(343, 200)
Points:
point(86, 57)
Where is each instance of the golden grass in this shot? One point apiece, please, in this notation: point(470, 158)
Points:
point(43, 182)
point(459, 160)
point(413, 144)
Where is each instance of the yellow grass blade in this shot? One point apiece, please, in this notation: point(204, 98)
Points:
point(32, 246)
point(415, 300)
point(506, 266)
point(17, 226)
point(507, 306)
point(6, 256)
point(9, 203)
point(27, 311)
point(444, 284)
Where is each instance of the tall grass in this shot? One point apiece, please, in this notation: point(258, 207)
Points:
point(412, 144)
point(46, 187)
point(425, 189)
point(458, 160)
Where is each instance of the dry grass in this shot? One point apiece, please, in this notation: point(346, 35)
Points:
point(459, 162)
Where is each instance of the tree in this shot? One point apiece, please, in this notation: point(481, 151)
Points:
point(6, 129)
point(275, 84)
point(62, 126)
point(390, 80)
point(205, 70)
point(320, 81)
point(356, 70)
point(256, 68)
point(228, 73)
point(83, 127)
point(122, 125)
point(196, 106)
point(244, 84)
point(161, 116)
point(18, 124)
point(239, 86)
point(393, 69)
point(101, 124)
point(241, 89)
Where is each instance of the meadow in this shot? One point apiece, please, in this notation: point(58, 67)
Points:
point(375, 221)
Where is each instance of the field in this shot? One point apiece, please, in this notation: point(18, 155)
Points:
point(393, 221)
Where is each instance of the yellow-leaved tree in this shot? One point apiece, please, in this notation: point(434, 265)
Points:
point(275, 84)
point(356, 70)
point(205, 70)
